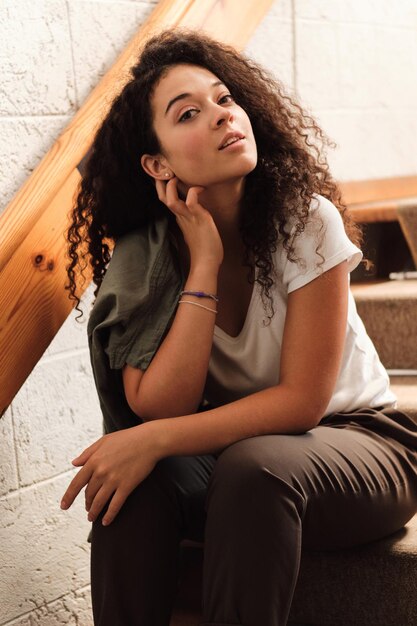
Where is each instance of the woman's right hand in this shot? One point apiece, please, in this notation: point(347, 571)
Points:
point(197, 225)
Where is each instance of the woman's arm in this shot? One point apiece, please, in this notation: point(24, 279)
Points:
point(174, 382)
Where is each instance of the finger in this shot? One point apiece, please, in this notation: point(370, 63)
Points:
point(82, 458)
point(168, 194)
point(115, 505)
point(102, 497)
point(93, 487)
point(75, 486)
point(161, 190)
point(174, 203)
point(192, 197)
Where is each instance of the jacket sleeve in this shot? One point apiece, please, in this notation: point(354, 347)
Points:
point(133, 311)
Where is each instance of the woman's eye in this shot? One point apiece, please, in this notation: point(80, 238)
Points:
point(187, 114)
point(183, 118)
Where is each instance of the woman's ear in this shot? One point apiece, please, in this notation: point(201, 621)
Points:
point(156, 167)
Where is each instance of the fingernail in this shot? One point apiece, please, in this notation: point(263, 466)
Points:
point(105, 522)
point(64, 505)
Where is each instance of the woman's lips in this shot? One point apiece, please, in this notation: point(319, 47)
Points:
point(235, 145)
point(231, 135)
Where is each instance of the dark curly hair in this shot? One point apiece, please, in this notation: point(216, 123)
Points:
point(116, 195)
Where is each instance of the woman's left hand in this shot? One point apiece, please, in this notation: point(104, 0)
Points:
point(113, 466)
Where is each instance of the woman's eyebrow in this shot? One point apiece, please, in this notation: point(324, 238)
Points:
point(187, 95)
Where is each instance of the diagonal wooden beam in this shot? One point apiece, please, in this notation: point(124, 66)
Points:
point(33, 302)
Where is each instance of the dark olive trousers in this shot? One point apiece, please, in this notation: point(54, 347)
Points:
point(350, 480)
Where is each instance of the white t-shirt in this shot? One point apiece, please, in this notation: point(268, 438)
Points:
point(250, 362)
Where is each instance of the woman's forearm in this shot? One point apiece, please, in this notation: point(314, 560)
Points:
point(276, 410)
point(174, 382)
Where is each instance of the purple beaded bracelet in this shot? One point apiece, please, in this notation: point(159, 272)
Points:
point(199, 294)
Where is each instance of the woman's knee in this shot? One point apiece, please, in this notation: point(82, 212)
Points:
point(282, 454)
point(183, 475)
point(261, 467)
point(183, 480)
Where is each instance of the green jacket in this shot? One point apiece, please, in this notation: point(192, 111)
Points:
point(133, 312)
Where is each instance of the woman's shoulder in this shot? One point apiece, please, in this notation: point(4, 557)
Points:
point(140, 259)
point(321, 208)
point(142, 243)
point(324, 208)
point(323, 217)
point(317, 241)
point(321, 213)
point(136, 253)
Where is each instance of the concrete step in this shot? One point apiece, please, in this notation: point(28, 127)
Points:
point(389, 312)
point(372, 585)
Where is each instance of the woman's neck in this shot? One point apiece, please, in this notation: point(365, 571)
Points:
point(223, 201)
point(234, 251)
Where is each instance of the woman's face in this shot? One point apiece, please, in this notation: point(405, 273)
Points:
point(194, 114)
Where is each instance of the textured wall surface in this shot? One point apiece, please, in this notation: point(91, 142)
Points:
point(352, 63)
point(357, 67)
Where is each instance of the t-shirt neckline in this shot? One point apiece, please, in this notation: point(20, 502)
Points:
point(221, 334)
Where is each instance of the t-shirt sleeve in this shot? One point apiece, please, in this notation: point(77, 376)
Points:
point(322, 245)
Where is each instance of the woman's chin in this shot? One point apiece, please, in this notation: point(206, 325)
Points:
point(225, 178)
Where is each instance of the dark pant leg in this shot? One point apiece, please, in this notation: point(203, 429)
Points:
point(344, 483)
point(135, 560)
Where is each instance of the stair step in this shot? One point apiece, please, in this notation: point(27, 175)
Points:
point(370, 585)
point(389, 312)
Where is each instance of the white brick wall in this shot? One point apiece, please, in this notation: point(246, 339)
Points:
point(354, 65)
point(99, 32)
point(44, 572)
point(356, 69)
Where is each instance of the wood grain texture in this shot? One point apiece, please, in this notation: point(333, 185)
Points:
point(33, 301)
point(379, 199)
point(407, 216)
point(363, 191)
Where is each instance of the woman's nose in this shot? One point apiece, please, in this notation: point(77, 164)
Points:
point(222, 115)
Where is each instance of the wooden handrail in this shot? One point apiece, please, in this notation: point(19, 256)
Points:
point(379, 199)
point(361, 191)
point(381, 210)
point(33, 302)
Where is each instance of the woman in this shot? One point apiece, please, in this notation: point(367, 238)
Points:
point(243, 402)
